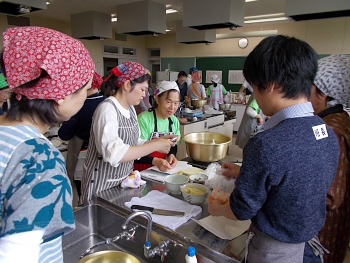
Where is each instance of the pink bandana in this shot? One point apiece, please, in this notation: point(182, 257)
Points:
point(30, 50)
point(127, 71)
point(96, 81)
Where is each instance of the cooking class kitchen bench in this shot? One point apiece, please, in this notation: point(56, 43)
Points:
point(209, 247)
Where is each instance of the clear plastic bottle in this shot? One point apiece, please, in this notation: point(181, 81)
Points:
point(191, 255)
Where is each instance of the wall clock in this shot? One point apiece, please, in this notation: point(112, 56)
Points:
point(243, 42)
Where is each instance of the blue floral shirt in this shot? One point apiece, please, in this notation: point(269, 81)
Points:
point(35, 192)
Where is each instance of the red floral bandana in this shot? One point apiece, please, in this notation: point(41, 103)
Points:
point(28, 51)
point(96, 81)
point(127, 71)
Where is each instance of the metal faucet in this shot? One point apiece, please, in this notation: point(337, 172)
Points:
point(129, 235)
point(148, 252)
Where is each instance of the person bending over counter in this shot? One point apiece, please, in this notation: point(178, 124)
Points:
point(285, 175)
point(115, 140)
point(160, 121)
point(40, 65)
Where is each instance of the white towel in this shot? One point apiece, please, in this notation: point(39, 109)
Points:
point(223, 227)
point(160, 200)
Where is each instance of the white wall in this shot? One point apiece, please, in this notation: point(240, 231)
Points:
point(326, 36)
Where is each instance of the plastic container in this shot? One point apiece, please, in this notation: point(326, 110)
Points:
point(191, 255)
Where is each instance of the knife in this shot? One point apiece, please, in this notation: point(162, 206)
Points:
point(158, 211)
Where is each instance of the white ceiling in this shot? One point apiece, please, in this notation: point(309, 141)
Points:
point(62, 9)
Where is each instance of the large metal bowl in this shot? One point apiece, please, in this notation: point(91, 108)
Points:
point(109, 256)
point(224, 106)
point(198, 102)
point(200, 147)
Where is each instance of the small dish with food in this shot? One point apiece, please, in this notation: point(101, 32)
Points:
point(198, 178)
point(194, 193)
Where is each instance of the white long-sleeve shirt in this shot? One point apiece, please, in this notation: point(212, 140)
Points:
point(105, 128)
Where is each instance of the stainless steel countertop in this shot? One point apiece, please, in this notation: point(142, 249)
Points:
point(191, 231)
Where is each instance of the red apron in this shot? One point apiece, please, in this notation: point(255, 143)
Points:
point(140, 166)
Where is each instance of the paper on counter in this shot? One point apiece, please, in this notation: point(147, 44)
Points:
point(192, 170)
point(161, 200)
point(180, 165)
point(223, 227)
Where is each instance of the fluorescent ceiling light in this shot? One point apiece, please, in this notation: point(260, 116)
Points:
point(247, 1)
point(48, 3)
point(114, 18)
point(167, 30)
point(265, 20)
point(265, 16)
point(171, 9)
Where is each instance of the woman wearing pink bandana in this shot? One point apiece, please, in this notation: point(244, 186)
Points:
point(49, 74)
point(115, 135)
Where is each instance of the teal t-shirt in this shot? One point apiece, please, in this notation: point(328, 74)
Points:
point(146, 123)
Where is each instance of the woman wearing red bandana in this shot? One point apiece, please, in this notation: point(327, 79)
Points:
point(115, 135)
point(49, 74)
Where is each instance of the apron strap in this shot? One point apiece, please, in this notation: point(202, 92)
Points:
point(155, 121)
point(195, 90)
point(317, 248)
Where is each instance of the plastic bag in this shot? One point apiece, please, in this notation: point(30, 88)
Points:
point(222, 186)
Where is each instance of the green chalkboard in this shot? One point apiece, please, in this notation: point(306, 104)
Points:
point(223, 64)
point(177, 64)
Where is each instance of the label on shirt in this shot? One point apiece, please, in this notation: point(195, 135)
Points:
point(157, 135)
point(320, 131)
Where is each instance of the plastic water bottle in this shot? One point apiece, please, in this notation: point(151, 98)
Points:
point(191, 255)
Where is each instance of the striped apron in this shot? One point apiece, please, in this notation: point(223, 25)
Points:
point(97, 171)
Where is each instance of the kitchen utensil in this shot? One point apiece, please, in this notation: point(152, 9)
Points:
point(109, 256)
point(193, 198)
point(158, 211)
point(224, 106)
point(174, 181)
point(199, 147)
point(197, 103)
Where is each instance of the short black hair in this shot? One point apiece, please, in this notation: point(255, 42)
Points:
point(182, 74)
point(286, 61)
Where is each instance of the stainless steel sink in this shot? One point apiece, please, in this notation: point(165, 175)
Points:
point(96, 222)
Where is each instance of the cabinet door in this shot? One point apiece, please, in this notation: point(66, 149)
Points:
point(218, 129)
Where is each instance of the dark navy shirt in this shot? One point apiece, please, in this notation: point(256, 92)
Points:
point(285, 176)
point(80, 124)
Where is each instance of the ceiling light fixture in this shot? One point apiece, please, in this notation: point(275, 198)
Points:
point(114, 18)
point(171, 9)
point(47, 2)
point(265, 20)
point(247, 1)
point(167, 30)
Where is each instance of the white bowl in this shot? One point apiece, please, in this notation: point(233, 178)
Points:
point(198, 178)
point(174, 181)
point(192, 198)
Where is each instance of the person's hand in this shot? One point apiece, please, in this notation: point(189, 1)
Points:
point(172, 160)
point(259, 119)
point(162, 145)
point(173, 138)
point(267, 117)
point(182, 120)
point(162, 164)
point(232, 170)
point(214, 208)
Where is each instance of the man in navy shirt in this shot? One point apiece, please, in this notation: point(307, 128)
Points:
point(286, 173)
